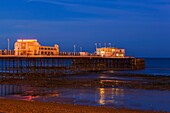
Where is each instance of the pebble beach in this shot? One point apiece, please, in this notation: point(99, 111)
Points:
point(19, 106)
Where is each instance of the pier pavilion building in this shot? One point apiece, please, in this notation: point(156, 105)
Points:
point(32, 47)
point(110, 52)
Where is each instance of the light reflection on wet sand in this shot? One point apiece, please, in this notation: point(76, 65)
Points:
point(112, 97)
point(107, 95)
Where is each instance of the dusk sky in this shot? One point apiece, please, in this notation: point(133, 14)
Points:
point(142, 27)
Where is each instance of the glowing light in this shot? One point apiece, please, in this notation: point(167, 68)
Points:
point(26, 40)
point(102, 96)
point(108, 95)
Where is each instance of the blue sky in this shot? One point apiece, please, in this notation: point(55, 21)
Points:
point(142, 27)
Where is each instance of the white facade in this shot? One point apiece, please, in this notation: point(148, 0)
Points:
point(110, 52)
point(32, 47)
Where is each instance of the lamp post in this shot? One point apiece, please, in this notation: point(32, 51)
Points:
point(105, 45)
point(109, 44)
point(80, 49)
point(8, 45)
point(99, 44)
point(74, 49)
point(95, 45)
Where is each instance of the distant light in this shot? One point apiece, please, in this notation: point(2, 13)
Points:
point(27, 40)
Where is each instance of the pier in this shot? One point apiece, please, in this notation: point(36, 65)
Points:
point(30, 58)
point(9, 89)
point(44, 65)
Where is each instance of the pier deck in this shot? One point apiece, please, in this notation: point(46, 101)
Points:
point(45, 65)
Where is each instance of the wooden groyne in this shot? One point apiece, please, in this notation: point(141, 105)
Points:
point(9, 89)
point(56, 65)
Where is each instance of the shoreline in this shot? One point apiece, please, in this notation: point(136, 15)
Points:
point(116, 80)
point(95, 80)
point(17, 106)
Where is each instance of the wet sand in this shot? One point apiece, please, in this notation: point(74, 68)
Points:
point(134, 81)
point(17, 106)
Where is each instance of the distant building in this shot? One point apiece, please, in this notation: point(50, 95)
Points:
point(110, 52)
point(32, 47)
point(83, 53)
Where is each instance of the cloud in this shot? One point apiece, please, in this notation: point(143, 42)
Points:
point(55, 2)
point(131, 9)
point(83, 7)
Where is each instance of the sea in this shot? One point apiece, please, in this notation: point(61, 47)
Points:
point(140, 99)
point(157, 66)
point(154, 66)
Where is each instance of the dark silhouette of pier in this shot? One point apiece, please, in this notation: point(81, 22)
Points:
point(9, 89)
point(57, 65)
